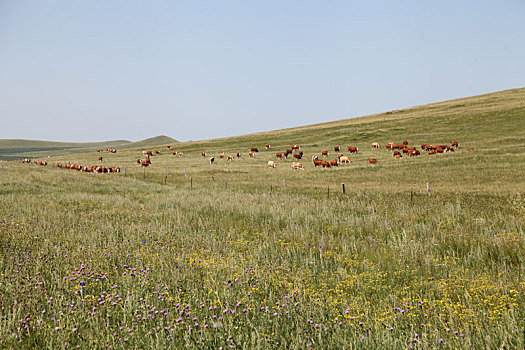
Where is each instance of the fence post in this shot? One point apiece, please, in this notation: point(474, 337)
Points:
point(213, 179)
point(144, 171)
point(428, 189)
point(126, 171)
point(328, 191)
point(343, 186)
point(191, 182)
point(284, 182)
point(185, 173)
point(271, 187)
point(165, 175)
point(411, 194)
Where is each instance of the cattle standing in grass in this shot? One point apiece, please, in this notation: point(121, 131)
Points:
point(287, 152)
point(317, 161)
point(398, 156)
point(271, 164)
point(294, 147)
point(372, 161)
point(251, 155)
point(324, 153)
point(279, 155)
point(470, 149)
point(298, 156)
point(238, 154)
point(168, 146)
point(203, 154)
point(325, 164)
point(376, 145)
point(344, 159)
point(454, 144)
point(230, 158)
point(221, 155)
point(337, 149)
point(414, 153)
point(254, 149)
point(268, 146)
point(405, 143)
point(334, 162)
point(296, 165)
point(395, 153)
point(100, 158)
point(212, 159)
point(174, 153)
point(352, 149)
point(180, 154)
point(157, 151)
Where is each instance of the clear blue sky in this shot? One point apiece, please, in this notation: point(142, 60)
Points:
point(128, 69)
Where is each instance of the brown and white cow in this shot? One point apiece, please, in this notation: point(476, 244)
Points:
point(212, 159)
point(344, 159)
point(352, 149)
point(334, 162)
point(203, 154)
point(372, 161)
point(396, 153)
point(279, 155)
point(168, 146)
point(298, 155)
point(254, 149)
point(376, 145)
point(324, 153)
point(454, 144)
point(221, 155)
point(238, 154)
point(100, 158)
point(271, 164)
point(470, 149)
point(267, 146)
point(414, 153)
point(230, 158)
point(294, 147)
point(251, 154)
point(296, 165)
point(337, 149)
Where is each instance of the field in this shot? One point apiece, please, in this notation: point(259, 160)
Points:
point(237, 255)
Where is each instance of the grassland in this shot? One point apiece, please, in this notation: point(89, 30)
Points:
point(188, 254)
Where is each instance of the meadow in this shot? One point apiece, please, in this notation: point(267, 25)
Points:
point(186, 253)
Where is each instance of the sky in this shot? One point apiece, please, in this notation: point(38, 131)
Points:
point(97, 70)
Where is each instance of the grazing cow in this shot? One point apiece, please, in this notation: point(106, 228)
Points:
point(399, 156)
point(296, 165)
point(316, 161)
point(324, 153)
point(168, 146)
point(325, 164)
point(212, 159)
point(271, 164)
point(294, 147)
point(268, 146)
point(221, 155)
point(138, 161)
point(230, 158)
point(144, 164)
point(279, 155)
point(405, 143)
point(430, 153)
point(414, 153)
point(426, 147)
point(254, 149)
point(174, 153)
point(439, 150)
point(344, 159)
point(59, 165)
point(98, 149)
point(470, 149)
point(334, 162)
point(352, 149)
point(148, 160)
point(180, 154)
point(251, 155)
point(454, 144)
point(298, 155)
point(372, 161)
point(238, 154)
point(203, 154)
point(396, 153)
point(337, 149)
point(157, 151)
point(100, 158)
point(43, 162)
point(376, 145)
point(287, 152)
point(115, 169)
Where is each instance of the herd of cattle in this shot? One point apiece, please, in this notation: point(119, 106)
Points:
point(398, 149)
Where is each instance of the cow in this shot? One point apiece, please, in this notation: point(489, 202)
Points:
point(294, 147)
point(287, 152)
point(268, 146)
point(254, 149)
point(115, 169)
point(174, 153)
point(372, 161)
point(168, 146)
point(334, 162)
point(279, 155)
point(398, 156)
point(325, 164)
point(221, 155)
point(405, 143)
point(396, 153)
point(144, 164)
point(470, 149)
point(59, 165)
point(271, 164)
point(100, 158)
point(344, 159)
point(230, 158)
point(251, 155)
point(296, 165)
point(454, 144)
point(429, 153)
point(203, 154)
point(352, 149)
point(316, 161)
point(426, 147)
point(98, 149)
point(337, 149)
point(324, 153)
point(298, 155)
point(414, 153)
point(138, 161)
point(43, 162)
point(212, 159)
point(376, 145)
point(238, 154)
point(180, 154)
point(157, 151)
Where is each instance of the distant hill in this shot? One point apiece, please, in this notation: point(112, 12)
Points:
point(11, 149)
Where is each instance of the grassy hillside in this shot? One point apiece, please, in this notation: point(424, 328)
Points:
point(193, 254)
point(12, 149)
